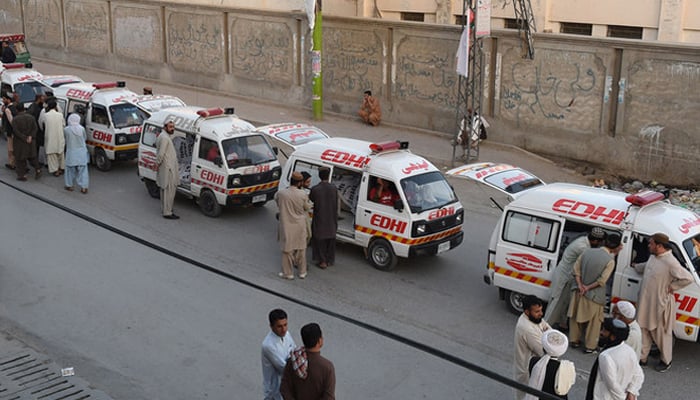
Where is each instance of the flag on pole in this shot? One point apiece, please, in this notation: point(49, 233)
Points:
point(463, 53)
point(310, 6)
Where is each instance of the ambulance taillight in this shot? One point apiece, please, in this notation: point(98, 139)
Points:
point(644, 198)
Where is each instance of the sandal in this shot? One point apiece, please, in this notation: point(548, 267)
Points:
point(69, 188)
point(83, 190)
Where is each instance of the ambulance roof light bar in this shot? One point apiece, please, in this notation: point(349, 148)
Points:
point(17, 65)
point(212, 112)
point(109, 85)
point(644, 198)
point(229, 110)
point(386, 146)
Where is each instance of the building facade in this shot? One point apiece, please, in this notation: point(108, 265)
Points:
point(674, 21)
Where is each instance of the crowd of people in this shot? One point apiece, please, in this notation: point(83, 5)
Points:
point(622, 341)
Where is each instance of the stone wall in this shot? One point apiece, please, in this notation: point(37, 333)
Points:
point(631, 106)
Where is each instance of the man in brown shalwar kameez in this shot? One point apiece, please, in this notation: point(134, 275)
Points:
point(325, 221)
point(308, 375)
point(663, 275)
point(293, 204)
point(370, 111)
point(25, 130)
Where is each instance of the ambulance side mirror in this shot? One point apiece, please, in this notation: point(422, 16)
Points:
point(218, 161)
point(398, 205)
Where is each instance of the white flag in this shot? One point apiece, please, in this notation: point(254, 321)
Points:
point(463, 53)
point(310, 6)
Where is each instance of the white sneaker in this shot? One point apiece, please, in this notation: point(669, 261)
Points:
point(283, 276)
point(302, 276)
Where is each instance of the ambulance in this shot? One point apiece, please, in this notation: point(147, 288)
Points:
point(541, 221)
point(54, 81)
point(222, 161)
point(422, 215)
point(23, 80)
point(19, 46)
point(112, 116)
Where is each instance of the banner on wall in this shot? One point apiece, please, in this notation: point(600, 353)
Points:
point(483, 18)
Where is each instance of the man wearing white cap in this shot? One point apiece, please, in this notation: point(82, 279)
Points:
point(548, 373)
point(625, 311)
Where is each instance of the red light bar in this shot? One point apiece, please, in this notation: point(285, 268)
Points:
point(210, 112)
point(386, 146)
point(14, 66)
point(644, 198)
point(104, 85)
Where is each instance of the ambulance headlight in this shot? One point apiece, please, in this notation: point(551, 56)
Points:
point(234, 180)
point(275, 174)
point(121, 139)
point(458, 218)
point(420, 229)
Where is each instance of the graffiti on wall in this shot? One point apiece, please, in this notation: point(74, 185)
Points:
point(86, 27)
point(137, 33)
point(262, 50)
point(40, 22)
point(553, 87)
point(352, 62)
point(426, 72)
point(195, 42)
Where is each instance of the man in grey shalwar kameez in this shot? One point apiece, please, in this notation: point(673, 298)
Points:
point(76, 155)
point(168, 171)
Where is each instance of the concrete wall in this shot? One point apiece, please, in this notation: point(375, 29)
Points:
point(628, 105)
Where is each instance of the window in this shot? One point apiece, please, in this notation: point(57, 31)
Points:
point(312, 169)
point(99, 115)
point(125, 115)
point(512, 23)
point(209, 150)
point(576, 29)
point(412, 16)
point(247, 150)
point(382, 191)
point(640, 250)
point(427, 191)
point(692, 249)
point(625, 32)
point(348, 184)
point(150, 133)
point(27, 91)
point(532, 231)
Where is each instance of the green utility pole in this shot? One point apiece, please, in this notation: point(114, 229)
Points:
point(317, 97)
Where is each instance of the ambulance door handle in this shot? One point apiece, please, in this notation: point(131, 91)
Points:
point(368, 212)
point(549, 264)
point(633, 280)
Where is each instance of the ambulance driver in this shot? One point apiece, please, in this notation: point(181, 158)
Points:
point(383, 192)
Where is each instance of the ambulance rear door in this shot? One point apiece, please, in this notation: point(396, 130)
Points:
point(526, 253)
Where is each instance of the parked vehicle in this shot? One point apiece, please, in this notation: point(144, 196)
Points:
point(18, 46)
point(416, 212)
point(223, 161)
point(23, 80)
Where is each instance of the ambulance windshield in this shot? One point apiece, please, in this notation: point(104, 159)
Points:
point(247, 150)
point(125, 115)
point(27, 91)
point(427, 191)
point(692, 248)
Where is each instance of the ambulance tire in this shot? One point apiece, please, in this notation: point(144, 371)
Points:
point(152, 188)
point(381, 255)
point(99, 158)
point(514, 301)
point(208, 204)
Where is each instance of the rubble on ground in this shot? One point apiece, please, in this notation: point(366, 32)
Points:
point(686, 198)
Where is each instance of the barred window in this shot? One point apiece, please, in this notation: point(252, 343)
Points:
point(576, 28)
point(625, 32)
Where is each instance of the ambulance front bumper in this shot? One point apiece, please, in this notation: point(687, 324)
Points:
point(437, 246)
point(247, 199)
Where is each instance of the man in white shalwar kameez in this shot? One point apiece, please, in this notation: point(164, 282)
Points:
point(54, 141)
point(663, 275)
point(168, 175)
point(528, 340)
point(625, 311)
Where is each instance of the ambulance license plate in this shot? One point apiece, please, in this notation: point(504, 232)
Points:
point(259, 198)
point(443, 247)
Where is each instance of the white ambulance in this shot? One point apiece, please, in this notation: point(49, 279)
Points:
point(223, 162)
point(539, 223)
point(112, 116)
point(422, 214)
point(22, 80)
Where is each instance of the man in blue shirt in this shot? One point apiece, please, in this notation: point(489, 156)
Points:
point(276, 348)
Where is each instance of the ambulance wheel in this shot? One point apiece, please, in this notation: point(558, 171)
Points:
point(381, 255)
point(514, 301)
point(152, 188)
point(100, 159)
point(208, 204)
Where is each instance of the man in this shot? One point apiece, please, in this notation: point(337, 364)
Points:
point(325, 220)
point(615, 375)
point(35, 110)
point(9, 110)
point(370, 111)
point(308, 375)
point(528, 339)
point(24, 131)
point(293, 204)
point(148, 91)
point(383, 192)
point(548, 373)
point(625, 312)
point(168, 173)
point(8, 55)
point(591, 271)
point(276, 348)
point(663, 275)
point(564, 278)
point(54, 140)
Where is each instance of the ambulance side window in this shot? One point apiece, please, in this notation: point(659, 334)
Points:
point(640, 250)
point(209, 150)
point(312, 169)
point(61, 105)
point(531, 231)
point(99, 115)
point(150, 133)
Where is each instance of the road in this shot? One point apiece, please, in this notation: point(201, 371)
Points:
point(140, 324)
